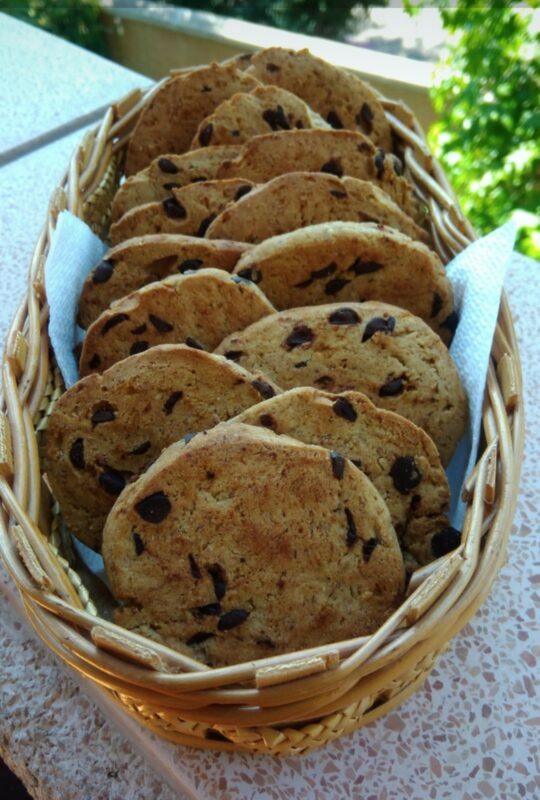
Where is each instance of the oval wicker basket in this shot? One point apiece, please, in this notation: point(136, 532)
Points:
point(288, 704)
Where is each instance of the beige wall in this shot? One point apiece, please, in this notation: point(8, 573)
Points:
point(154, 50)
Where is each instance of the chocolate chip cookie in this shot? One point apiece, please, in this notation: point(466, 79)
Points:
point(169, 172)
point(106, 429)
point(350, 261)
point(189, 210)
point(280, 553)
point(339, 96)
point(145, 259)
point(380, 350)
point(398, 457)
point(298, 199)
point(198, 310)
point(168, 122)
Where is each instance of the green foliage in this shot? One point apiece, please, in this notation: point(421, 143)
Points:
point(314, 17)
point(79, 21)
point(488, 133)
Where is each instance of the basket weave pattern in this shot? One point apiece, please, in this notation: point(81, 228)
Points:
point(286, 704)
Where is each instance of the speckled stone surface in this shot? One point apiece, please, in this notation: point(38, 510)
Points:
point(51, 82)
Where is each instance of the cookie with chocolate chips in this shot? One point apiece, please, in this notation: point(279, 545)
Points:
point(198, 310)
point(106, 429)
point(347, 261)
point(146, 259)
point(189, 210)
point(171, 117)
point(262, 110)
point(298, 199)
point(398, 457)
point(334, 152)
point(169, 172)
point(284, 551)
point(339, 96)
point(380, 350)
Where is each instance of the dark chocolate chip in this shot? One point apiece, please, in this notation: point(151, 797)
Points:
point(344, 316)
point(357, 463)
point(333, 119)
point(300, 364)
point(335, 285)
point(351, 536)
point(194, 567)
point(210, 733)
point(139, 544)
point(333, 167)
point(232, 619)
point(267, 420)
point(206, 134)
point(323, 380)
point(209, 610)
point(103, 272)
point(451, 323)
point(338, 464)
point(266, 642)
point(173, 208)
point(416, 499)
point(264, 389)
point(138, 347)
point(105, 413)
point(339, 195)
point(299, 124)
point(436, 304)
point(191, 342)
point(199, 638)
point(139, 329)
point(189, 264)
point(378, 325)
point(166, 165)
point(188, 437)
point(324, 272)
point(392, 387)
point(299, 335)
point(364, 118)
point(112, 322)
point(159, 324)
point(272, 67)
point(112, 482)
point(405, 474)
point(205, 224)
point(234, 355)
point(219, 579)
point(94, 362)
point(368, 548)
point(206, 89)
point(171, 401)
point(154, 508)
point(444, 541)
point(360, 267)
point(344, 409)
point(276, 119)
point(172, 185)
point(250, 274)
point(141, 449)
point(235, 132)
point(379, 162)
point(76, 454)
point(243, 190)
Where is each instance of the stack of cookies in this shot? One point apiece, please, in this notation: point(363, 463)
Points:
point(267, 402)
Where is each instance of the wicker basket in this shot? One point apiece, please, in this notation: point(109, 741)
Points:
point(288, 704)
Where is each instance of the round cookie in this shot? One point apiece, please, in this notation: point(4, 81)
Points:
point(199, 309)
point(349, 261)
point(146, 259)
point(298, 199)
point(168, 122)
point(276, 555)
point(169, 172)
point(189, 211)
point(380, 350)
point(398, 457)
point(339, 96)
point(244, 115)
point(106, 429)
point(335, 152)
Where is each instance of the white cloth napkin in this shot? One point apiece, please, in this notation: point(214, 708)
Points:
point(476, 275)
